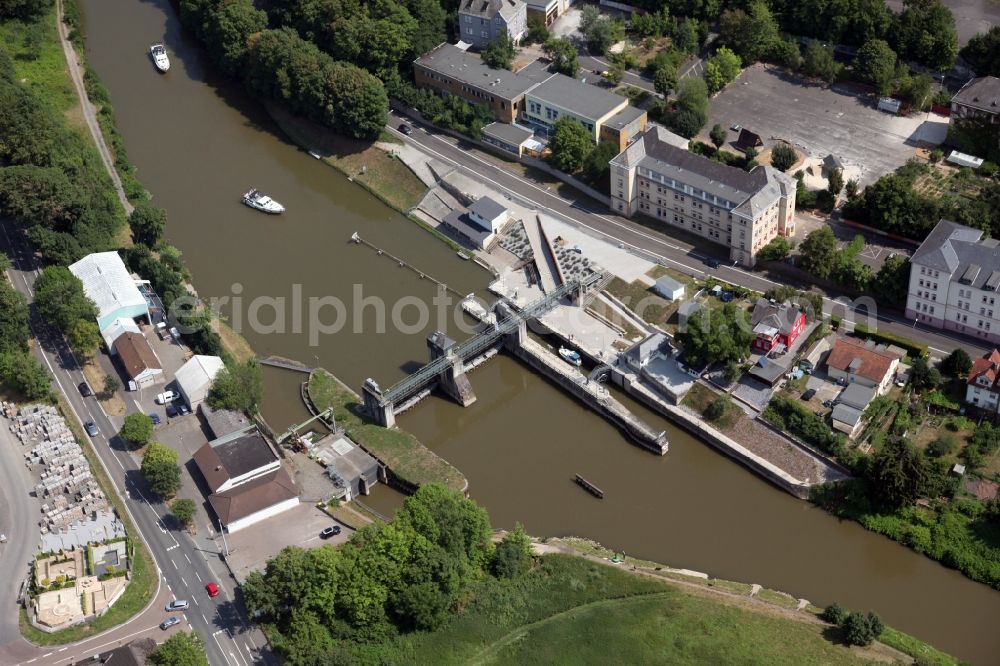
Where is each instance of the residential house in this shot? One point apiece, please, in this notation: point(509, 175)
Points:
point(848, 413)
point(776, 323)
point(852, 360)
point(954, 278)
point(138, 359)
point(109, 285)
point(483, 21)
point(983, 386)
point(195, 377)
point(548, 10)
point(742, 211)
point(977, 106)
point(669, 288)
point(481, 223)
point(244, 476)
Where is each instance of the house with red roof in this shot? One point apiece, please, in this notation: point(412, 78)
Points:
point(776, 323)
point(983, 387)
point(853, 360)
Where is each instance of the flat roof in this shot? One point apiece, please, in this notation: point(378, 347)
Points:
point(582, 99)
point(625, 117)
point(487, 208)
point(668, 282)
point(454, 63)
point(512, 134)
point(222, 422)
point(107, 282)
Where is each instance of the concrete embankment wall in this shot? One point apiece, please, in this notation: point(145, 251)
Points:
point(542, 361)
point(702, 431)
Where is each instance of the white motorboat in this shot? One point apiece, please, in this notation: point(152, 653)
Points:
point(257, 199)
point(160, 58)
point(570, 356)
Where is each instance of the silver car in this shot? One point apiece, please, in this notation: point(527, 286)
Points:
point(177, 605)
point(169, 622)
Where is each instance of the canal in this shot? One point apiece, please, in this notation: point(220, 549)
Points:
point(199, 142)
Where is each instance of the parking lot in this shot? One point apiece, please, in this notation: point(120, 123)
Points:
point(823, 121)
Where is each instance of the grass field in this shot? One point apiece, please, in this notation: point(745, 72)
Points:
point(573, 611)
point(39, 61)
point(405, 455)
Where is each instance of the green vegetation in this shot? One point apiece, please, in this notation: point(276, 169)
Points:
point(788, 414)
point(690, 110)
point(913, 349)
point(183, 510)
point(160, 469)
point(185, 648)
point(499, 54)
point(239, 387)
point(783, 157)
point(570, 144)
point(983, 52)
point(722, 68)
point(137, 429)
point(147, 223)
point(410, 462)
point(716, 335)
point(563, 55)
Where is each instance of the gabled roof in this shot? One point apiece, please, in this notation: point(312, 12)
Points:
point(107, 282)
point(982, 93)
point(857, 396)
point(782, 316)
point(136, 354)
point(490, 8)
point(233, 455)
point(989, 367)
point(249, 498)
point(748, 139)
point(955, 249)
point(862, 358)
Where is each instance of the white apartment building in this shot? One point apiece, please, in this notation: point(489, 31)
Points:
point(954, 277)
point(739, 210)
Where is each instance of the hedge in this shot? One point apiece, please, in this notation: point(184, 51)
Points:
point(913, 349)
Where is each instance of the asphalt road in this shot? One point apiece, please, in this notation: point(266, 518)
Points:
point(184, 565)
point(585, 214)
point(17, 513)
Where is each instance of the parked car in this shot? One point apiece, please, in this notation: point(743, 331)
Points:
point(182, 409)
point(178, 605)
point(406, 129)
point(329, 532)
point(155, 418)
point(166, 397)
point(85, 390)
point(212, 589)
point(727, 297)
point(828, 404)
point(712, 262)
point(91, 428)
point(809, 394)
point(169, 622)
point(171, 411)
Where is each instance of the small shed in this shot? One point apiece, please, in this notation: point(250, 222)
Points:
point(194, 378)
point(669, 288)
point(831, 162)
point(889, 104)
point(748, 139)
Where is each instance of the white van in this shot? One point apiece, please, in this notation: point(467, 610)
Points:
point(165, 397)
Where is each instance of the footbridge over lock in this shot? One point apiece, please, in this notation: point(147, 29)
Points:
point(448, 358)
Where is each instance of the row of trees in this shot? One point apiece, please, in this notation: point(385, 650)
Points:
point(410, 574)
point(573, 149)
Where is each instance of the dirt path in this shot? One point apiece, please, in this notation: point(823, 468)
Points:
point(76, 71)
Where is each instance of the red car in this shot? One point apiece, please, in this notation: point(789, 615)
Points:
point(212, 589)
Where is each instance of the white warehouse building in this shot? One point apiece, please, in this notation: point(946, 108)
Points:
point(108, 283)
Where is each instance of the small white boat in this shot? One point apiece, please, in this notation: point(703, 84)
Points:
point(257, 199)
point(570, 356)
point(160, 58)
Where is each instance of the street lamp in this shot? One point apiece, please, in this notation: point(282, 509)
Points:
point(222, 531)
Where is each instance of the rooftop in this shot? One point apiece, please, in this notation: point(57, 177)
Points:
point(860, 357)
point(490, 8)
point(222, 422)
point(234, 455)
point(107, 282)
point(962, 253)
point(624, 118)
point(857, 396)
point(512, 134)
point(581, 98)
point(668, 283)
point(846, 414)
point(451, 61)
point(198, 373)
point(487, 208)
point(781, 316)
point(982, 93)
point(249, 498)
point(136, 354)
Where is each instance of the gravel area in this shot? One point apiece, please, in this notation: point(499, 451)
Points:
point(768, 444)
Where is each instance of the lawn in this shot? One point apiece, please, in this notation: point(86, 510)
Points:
point(573, 611)
point(384, 176)
point(639, 297)
point(45, 74)
point(407, 458)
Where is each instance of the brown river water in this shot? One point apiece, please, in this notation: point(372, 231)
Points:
point(199, 142)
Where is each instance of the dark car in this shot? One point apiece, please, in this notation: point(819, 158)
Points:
point(809, 394)
point(329, 532)
point(727, 297)
point(171, 411)
point(182, 410)
point(406, 129)
point(712, 262)
point(91, 428)
point(155, 418)
point(85, 390)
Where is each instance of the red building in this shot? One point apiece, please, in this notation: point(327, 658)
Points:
point(776, 323)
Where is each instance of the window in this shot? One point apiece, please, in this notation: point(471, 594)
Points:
point(468, 19)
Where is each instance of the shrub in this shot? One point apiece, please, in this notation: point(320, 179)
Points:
point(914, 349)
point(861, 629)
point(941, 446)
point(783, 157)
point(834, 613)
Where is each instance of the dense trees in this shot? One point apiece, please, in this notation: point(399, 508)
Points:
point(512, 556)
point(147, 223)
point(563, 55)
point(983, 52)
point(499, 54)
point(238, 386)
point(184, 648)
point(783, 157)
point(60, 299)
point(571, 143)
point(862, 629)
point(595, 166)
point(899, 473)
point(750, 33)
point(25, 374)
point(691, 107)
point(160, 469)
point(957, 364)
point(716, 335)
point(876, 64)
point(892, 283)
point(722, 68)
point(137, 429)
point(891, 204)
point(14, 330)
point(817, 61)
point(23, 9)
point(844, 22)
point(925, 32)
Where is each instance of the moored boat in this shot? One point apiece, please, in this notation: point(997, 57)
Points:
point(260, 201)
point(160, 59)
point(570, 356)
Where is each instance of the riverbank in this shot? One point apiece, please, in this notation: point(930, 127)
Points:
point(407, 459)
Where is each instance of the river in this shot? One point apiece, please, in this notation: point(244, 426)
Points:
point(199, 142)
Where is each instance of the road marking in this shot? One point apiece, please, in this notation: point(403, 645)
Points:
point(195, 600)
point(216, 637)
point(199, 578)
point(184, 581)
point(174, 563)
point(137, 405)
point(62, 649)
point(188, 558)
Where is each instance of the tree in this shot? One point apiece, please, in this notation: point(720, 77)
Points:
point(147, 223)
point(160, 469)
point(228, 30)
point(786, 52)
point(899, 474)
point(595, 165)
point(917, 91)
point(716, 336)
point(60, 299)
point(137, 429)
point(861, 629)
point(430, 30)
point(876, 64)
point(27, 127)
point(538, 32)
point(615, 73)
point(892, 283)
point(499, 54)
point(665, 79)
point(942, 445)
point(23, 9)
point(512, 556)
point(957, 364)
point(851, 189)
point(983, 52)
point(718, 135)
point(25, 374)
point(686, 37)
point(570, 144)
point(691, 107)
point(783, 157)
point(834, 181)
point(718, 407)
point(238, 386)
point(84, 337)
point(14, 330)
point(834, 614)
point(563, 55)
point(818, 62)
point(110, 385)
point(183, 510)
point(603, 34)
point(750, 34)
point(726, 64)
point(818, 253)
point(184, 648)
point(925, 32)
point(777, 249)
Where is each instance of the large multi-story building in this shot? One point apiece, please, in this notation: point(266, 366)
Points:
point(975, 117)
point(739, 210)
point(954, 278)
point(483, 21)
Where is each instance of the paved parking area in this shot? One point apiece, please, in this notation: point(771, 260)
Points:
point(250, 548)
point(823, 121)
point(971, 16)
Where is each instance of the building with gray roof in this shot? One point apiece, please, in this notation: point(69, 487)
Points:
point(483, 21)
point(954, 278)
point(977, 106)
point(743, 211)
